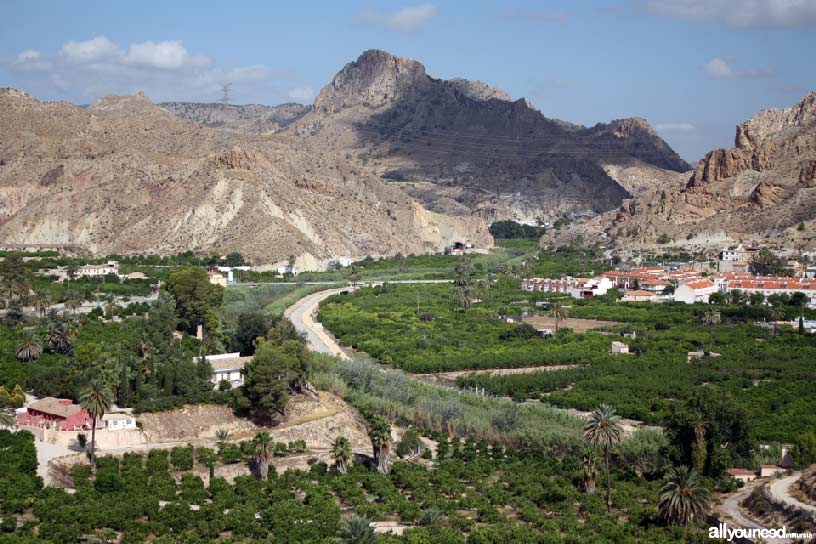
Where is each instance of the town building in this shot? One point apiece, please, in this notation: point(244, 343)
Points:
point(638, 295)
point(575, 287)
point(227, 367)
point(695, 291)
point(767, 285)
point(58, 414)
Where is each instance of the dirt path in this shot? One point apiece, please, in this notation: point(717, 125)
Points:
point(450, 377)
point(780, 490)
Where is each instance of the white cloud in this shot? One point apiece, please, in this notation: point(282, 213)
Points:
point(90, 50)
point(302, 94)
point(744, 14)
point(675, 127)
point(720, 68)
point(82, 71)
point(169, 55)
point(407, 19)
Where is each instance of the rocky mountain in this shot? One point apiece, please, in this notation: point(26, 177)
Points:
point(463, 147)
point(125, 175)
point(762, 189)
point(251, 118)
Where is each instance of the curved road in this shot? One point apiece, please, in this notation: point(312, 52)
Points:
point(302, 315)
point(780, 490)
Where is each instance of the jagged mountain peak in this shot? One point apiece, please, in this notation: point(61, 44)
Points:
point(375, 79)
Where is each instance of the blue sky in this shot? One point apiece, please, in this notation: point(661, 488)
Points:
point(692, 68)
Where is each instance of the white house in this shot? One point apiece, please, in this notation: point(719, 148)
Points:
point(217, 278)
point(695, 291)
point(593, 287)
point(742, 474)
point(119, 422)
point(98, 270)
point(230, 270)
point(618, 347)
point(227, 367)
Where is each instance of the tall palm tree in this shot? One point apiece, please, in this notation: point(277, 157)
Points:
point(41, 301)
point(96, 399)
point(6, 419)
point(29, 348)
point(341, 453)
point(73, 301)
point(357, 530)
point(263, 453)
point(604, 430)
point(682, 499)
point(559, 313)
point(776, 314)
point(380, 434)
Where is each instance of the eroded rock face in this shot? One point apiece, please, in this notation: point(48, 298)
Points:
point(374, 80)
point(720, 164)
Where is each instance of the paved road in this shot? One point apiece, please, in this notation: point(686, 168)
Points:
point(780, 490)
point(301, 314)
point(734, 514)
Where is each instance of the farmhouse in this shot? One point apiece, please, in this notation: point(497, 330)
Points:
point(618, 347)
point(217, 278)
point(98, 270)
point(695, 291)
point(59, 414)
point(767, 471)
point(227, 367)
point(742, 474)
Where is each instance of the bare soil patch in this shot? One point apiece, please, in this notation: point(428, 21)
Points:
point(577, 325)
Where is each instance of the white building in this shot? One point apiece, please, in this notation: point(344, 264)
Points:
point(230, 271)
point(119, 422)
point(695, 291)
point(217, 278)
point(98, 270)
point(575, 287)
point(227, 367)
point(288, 269)
point(618, 347)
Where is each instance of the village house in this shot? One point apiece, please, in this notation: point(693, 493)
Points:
point(119, 422)
point(575, 287)
point(768, 471)
point(618, 347)
point(217, 278)
point(695, 291)
point(230, 271)
point(638, 295)
point(58, 414)
point(742, 474)
point(767, 285)
point(98, 270)
point(227, 367)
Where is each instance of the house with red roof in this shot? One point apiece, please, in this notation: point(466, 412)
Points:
point(695, 291)
point(58, 414)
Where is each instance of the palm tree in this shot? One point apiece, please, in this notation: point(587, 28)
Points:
point(682, 499)
point(341, 453)
point(354, 277)
point(604, 430)
point(72, 301)
point(221, 435)
point(263, 453)
point(357, 530)
point(590, 472)
point(380, 434)
point(59, 336)
point(559, 313)
point(41, 301)
point(776, 314)
point(96, 400)
point(29, 348)
point(6, 419)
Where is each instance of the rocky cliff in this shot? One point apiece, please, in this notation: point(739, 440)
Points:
point(762, 189)
point(251, 118)
point(463, 147)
